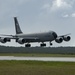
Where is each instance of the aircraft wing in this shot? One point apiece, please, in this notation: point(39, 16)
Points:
point(65, 35)
point(7, 38)
point(17, 37)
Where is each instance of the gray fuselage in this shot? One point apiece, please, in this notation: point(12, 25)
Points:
point(39, 37)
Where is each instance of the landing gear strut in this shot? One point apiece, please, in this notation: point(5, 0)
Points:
point(51, 44)
point(28, 45)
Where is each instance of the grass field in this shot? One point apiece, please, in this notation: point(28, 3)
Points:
point(37, 55)
point(36, 68)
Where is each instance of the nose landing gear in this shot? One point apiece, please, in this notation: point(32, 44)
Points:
point(51, 44)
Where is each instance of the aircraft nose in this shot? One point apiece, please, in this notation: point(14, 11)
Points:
point(54, 35)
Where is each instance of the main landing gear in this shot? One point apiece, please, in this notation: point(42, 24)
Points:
point(27, 45)
point(43, 45)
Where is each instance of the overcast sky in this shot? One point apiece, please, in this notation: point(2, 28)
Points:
point(38, 16)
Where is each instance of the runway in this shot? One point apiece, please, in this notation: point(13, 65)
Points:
point(61, 59)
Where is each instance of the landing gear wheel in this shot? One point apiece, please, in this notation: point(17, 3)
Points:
point(42, 45)
point(51, 44)
point(28, 45)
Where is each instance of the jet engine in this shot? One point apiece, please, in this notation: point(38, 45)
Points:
point(59, 39)
point(66, 38)
point(21, 41)
point(4, 40)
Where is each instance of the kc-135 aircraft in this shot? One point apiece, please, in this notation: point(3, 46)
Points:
point(26, 39)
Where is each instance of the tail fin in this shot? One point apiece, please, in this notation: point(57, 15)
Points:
point(17, 27)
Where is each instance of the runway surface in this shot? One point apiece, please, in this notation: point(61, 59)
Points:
point(64, 59)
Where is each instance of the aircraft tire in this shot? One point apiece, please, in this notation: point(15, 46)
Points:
point(28, 45)
point(51, 44)
point(42, 45)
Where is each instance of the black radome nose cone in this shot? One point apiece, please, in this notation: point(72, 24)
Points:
point(54, 34)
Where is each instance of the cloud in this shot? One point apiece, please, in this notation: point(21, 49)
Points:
point(60, 4)
point(73, 15)
point(65, 16)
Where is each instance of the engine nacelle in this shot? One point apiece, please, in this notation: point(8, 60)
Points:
point(4, 40)
point(67, 38)
point(59, 40)
point(21, 41)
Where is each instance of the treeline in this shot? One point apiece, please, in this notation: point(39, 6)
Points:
point(51, 50)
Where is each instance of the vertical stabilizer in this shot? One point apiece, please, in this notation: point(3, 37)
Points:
point(17, 27)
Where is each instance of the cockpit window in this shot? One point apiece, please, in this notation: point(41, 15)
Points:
point(54, 34)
